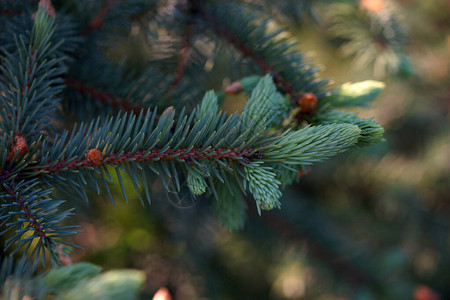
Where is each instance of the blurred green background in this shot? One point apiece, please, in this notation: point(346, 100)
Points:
point(373, 223)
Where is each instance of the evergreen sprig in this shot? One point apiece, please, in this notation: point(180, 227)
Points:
point(32, 218)
point(274, 51)
point(199, 145)
point(167, 144)
point(30, 79)
point(227, 156)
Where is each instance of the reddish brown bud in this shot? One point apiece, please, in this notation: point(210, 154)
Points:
point(234, 88)
point(19, 144)
point(94, 156)
point(372, 5)
point(48, 7)
point(423, 292)
point(302, 174)
point(307, 102)
point(162, 294)
point(96, 22)
point(170, 111)
point(63, 258)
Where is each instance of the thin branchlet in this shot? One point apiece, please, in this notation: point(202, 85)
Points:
point(97, 21)
point(246, 51)
point(28, 214)
point(181, 154)
point(102, 96)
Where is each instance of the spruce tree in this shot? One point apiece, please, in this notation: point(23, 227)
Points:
point(82, 107)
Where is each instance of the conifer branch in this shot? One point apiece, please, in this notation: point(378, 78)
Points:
point(26, 207)
point(271, 48)
point(31, 78)
point(247, 51)
point(28, 214)
point(169, 154)
point(225, 155)
point(199, 144)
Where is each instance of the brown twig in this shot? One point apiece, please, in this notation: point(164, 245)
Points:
point(102, 96)
point(10, 12)
point(97, 21)
point(180, 154)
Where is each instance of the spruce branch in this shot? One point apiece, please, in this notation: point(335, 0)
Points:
point(274, 52)
point(128, 139)
point(268, 45)
point(202, 144)
point(265, 105)
point(30, 80)
point(215, 153)
point(312, 144)
point(30, 215)
point(263, 185)
point(113, 14)
point(156, 154)
point(371, 132)
point(114, 88)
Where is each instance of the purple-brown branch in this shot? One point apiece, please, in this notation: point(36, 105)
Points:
point(102, 96)
point(246, 51)
point(183, 56)
point(180, 154)
point(10, 12)
point(98, 20)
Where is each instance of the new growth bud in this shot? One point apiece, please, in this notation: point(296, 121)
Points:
point(19, 145)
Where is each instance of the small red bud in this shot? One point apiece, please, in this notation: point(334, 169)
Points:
point(423, 292)
point(19, 144)
point(302, 174)
point(96, 22)
point(372, 5)
point(234, 88)
point(94, 156)
point(63, 258)
point(307, 102)
point(48, 7)
point(170, 111)
point(162, 294)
